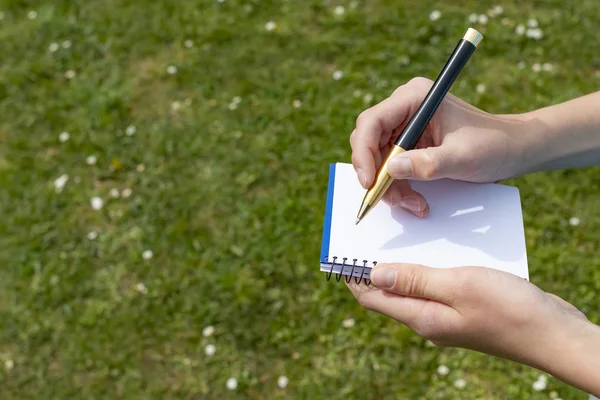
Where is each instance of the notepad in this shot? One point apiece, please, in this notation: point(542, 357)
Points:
point(469, 224)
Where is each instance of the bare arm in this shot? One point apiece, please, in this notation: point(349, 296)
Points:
point(565, 135)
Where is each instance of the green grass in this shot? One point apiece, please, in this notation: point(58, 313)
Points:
point(231, 201)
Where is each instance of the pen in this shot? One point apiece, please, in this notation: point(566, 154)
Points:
point(416, 125)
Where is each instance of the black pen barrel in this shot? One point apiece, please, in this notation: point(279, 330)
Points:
point(418, 122)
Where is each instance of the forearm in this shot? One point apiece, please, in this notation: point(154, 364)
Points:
point(573, 356)
point(565, 135)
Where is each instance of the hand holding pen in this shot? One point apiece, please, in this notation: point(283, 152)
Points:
point(457, 141)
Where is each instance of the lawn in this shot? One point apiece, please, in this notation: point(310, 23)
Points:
point(164, 167)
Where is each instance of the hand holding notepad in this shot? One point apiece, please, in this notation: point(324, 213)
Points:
point(469, 224)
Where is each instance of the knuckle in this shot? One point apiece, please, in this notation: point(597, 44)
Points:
point(414, 282)
point(431, 167)
point(352, 138)
point(420, 83)
point(354, 158)
point(364, 118)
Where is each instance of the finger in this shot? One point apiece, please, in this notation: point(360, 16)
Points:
point(428, 164)
point(424, 316)
point(374, 127)
point(400, 194)
point(413, 280)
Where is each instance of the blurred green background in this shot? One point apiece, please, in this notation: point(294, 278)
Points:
point(164, 167)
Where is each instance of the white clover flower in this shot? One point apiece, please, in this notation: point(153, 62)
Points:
point(536, 67)
point(435, 15)
point(236, 100)
point(404, 59)
point(297, 103)
point(521, 64)
point(356, 93)
point(141, 288)
point(97, 203)
point(114, 193)
point(547, 67)
point(93, 235)
point(130, 130)
point(473, 18)
point(534, 33)
point(210, 349)
point(171, 70)
point(348, 323)
point(66, 44)
point(147, 254)
point(282, 381)
point(232, 383)
point(140, 168)
point(574, 221)
point(337, 75)
point(232, 106)
point(480, 88)
point(271, 25)
point(460, 383)
point(339, 10)
point(60, 182)
point(368, 98)
point(64, 136)
point(208, 331)
point(532, 23)
point(91, 160)
point(520, 30)
point(539, 385)
point(188, 43)
point(32, 14)
point(70, 74)
point(443, 370)
point(175, 105)
point(9, 365)
point(126, 192)
point(482, 19)
point(53, 47)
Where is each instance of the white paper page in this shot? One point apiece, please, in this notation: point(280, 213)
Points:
point(469, 225)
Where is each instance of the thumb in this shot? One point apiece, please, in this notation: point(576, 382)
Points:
point(413, 280)
point(425, 164)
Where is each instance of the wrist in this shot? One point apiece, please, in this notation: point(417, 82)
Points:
point(526, 148)
point(534, 143)
point(561, 136)
point(570, 352)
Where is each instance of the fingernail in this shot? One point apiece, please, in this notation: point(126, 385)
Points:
point(362, 178)
point(383, 277)
point(411, 203)
point(400, 166)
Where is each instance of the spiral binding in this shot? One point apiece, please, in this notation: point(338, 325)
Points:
point(348, 278)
